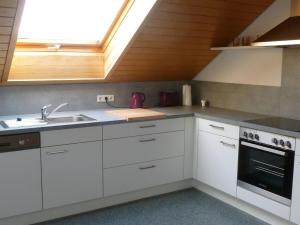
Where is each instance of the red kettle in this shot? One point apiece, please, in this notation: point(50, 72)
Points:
point(137, 100)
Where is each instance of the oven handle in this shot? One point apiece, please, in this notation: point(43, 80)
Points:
point(266, 149)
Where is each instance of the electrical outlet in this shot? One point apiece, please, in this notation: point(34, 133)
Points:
point(101, 98)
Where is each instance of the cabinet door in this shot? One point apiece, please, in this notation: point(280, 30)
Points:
point(217, 162)
point(20, 182)
point(71, 173)
point(295, 215)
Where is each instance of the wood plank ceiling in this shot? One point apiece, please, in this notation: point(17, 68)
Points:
point(174, 41)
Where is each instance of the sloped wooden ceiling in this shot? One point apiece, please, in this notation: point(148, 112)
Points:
point(174, 41)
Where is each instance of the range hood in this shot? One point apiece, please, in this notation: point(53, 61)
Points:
point(286, 34)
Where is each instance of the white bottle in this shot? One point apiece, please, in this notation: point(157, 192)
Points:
point(187, 95)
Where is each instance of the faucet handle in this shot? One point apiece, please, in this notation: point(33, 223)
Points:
point(46, 106)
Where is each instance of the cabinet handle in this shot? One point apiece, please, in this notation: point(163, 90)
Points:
point(217, 127)
point(147, 167)
point(57, 152)
point(147, 126)
point(147, 140)
point(227, 144)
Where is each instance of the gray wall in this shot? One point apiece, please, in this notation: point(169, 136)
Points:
point(29, 99)
point(278, 101)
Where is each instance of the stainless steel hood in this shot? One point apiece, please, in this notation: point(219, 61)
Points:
point(286, 34)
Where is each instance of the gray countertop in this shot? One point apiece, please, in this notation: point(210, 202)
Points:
point(103, 118)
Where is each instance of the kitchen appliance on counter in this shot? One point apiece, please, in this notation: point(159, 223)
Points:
point(137, 100)
point(168, 99)
point(266, 164)
point(186, 95)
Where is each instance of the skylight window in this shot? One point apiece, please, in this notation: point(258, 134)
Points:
point(68, 21)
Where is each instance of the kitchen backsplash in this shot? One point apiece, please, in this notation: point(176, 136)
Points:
point(277, 101)
point(16, 100)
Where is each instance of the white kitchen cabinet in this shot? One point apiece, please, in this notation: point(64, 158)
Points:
point(295, 209)
point(142, 128)
point(298, 146)
point(142, 175)
point(130, 150)
point(71, 173)
point(217, 161)
point(70, 136)
point(221, 129)
point(20, 182)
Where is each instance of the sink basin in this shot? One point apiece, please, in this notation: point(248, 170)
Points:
point(69, 119)
point(30, 122)
point(17, 123)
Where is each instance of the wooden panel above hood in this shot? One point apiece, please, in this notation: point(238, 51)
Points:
point(174, 41)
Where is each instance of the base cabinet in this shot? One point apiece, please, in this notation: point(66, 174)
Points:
point(71, 173)
point(142, 175)
point(295, 210)
point(20, 182)
point(217, 162)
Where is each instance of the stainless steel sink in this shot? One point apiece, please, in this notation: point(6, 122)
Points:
point(69, 119)
point(30, 122)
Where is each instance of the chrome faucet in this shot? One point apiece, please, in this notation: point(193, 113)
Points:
point(44, 109)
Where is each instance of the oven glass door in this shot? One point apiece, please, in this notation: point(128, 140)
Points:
point(266, 167)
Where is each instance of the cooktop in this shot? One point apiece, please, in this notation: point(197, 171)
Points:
point(278, 122)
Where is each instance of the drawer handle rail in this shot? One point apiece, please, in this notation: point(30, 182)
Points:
point(147, 140)
point(217, 127)
point(227, 144)
point(147, 126)
point(57, 152)
point(147, 167)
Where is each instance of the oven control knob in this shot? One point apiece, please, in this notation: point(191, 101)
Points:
point(288, 144)
point(251, 135)
point(281, 142)
point(256, 137)
point(275, 141)
point(245, 134)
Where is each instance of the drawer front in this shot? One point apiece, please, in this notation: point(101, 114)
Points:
point(218, 128)
point(124, 151)
point(266, 204)
point(69, 136)
point(138, 176)
point(142, 128)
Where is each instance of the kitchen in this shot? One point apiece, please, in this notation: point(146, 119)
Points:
point(173, 116)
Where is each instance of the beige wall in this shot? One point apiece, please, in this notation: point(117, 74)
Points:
point(256, 66)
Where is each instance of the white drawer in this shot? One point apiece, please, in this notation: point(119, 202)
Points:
point(142, 128)
point(264, 203)
point(124, 151)
point(138, 176)
point(218, 128)
point(68, 136)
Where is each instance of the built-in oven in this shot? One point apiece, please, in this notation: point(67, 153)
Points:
point(266, 165)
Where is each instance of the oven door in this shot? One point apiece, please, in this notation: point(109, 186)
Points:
point(266, 170)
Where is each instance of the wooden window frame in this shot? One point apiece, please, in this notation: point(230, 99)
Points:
point(38, 45)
